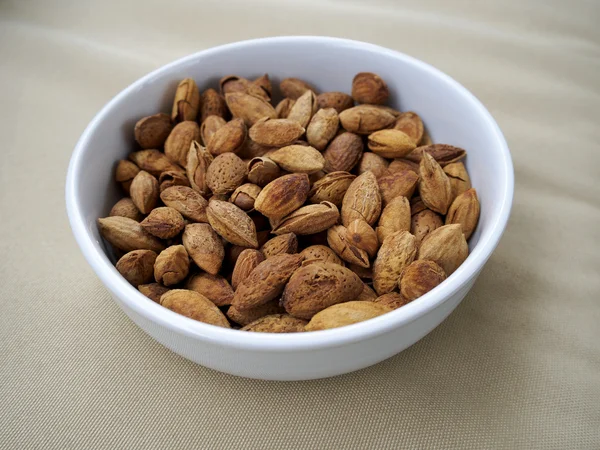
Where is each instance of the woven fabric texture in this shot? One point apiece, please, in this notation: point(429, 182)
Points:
point(516, 366)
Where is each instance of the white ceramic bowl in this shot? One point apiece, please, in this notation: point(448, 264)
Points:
point(451, 114)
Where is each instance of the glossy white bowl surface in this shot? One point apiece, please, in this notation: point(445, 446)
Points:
point(451, 114)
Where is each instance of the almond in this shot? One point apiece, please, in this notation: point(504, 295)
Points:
point(163, 222)
point(397, 184)
point(187, 101)
point(375, 163)
point(397, 251)
point(263, 170)
point(204, 247)
point(286, 243)
point(233, 224)
point(464, 210)
point(266, 281)
point(411, 124)
point(434, 186)
point(345, 314)
point(284, 107)
point(369, 88)
point(395, 217)
point(337, 238)
point(309, 219)
point(153, 291)
point(213, 287)
point(317, 286)
point(423, 223)
point(188, 202)
point(391, 143)
point(247, 316)
point(339, 101)
point(362, 200)
point(144, 191)
point(136, 266)
point(245, 196)
point(152, 131)
point(276, 323)
point(128, 235)
point(420, 277)
point(298, 159)
point(153, 162)
point(265, 83)
point(366, 119)
point(195, 306)
point(331, 188)
point(245, 264)
point(446, 246)
point(319, 253)
point(392, 300)
point(126, 208)
point(458, 177)
point(294, 88)
point(322, 128)
point(209, 127)
point(228, 138)
point(198, 161)
point(125, 173)
point(304, 108)
point(233, 83)
point(172, 265)
point(343, 153)
point(248, 108)
point(275, 132)
point(360, 234)
point(443, 153)
point(283, 195)
point(226, 173)
point(212, 104)
point(179, 141)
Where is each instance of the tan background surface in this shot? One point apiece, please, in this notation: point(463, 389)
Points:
point(516, 366)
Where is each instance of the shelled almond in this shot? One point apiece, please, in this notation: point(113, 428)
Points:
point(306, 214)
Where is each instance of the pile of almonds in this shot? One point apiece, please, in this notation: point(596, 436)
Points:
point(309, 215)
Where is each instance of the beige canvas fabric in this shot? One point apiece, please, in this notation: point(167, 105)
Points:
point(516, 366)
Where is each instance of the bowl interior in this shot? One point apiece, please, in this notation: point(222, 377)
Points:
point(450, 113)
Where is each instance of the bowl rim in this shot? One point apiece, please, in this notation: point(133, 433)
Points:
point(224, 337)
